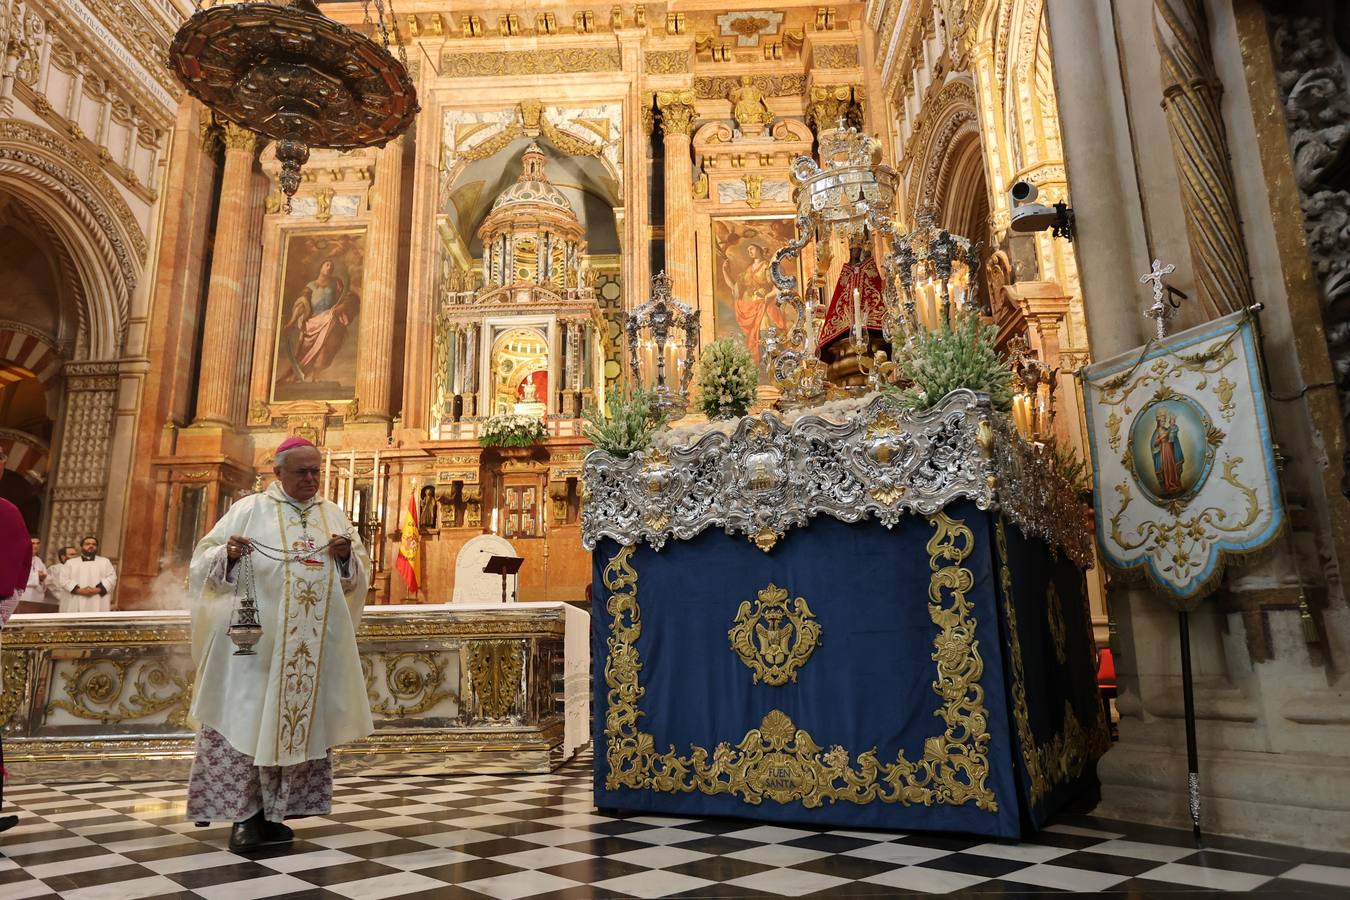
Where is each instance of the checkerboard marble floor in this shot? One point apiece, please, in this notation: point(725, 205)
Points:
point(511, 837)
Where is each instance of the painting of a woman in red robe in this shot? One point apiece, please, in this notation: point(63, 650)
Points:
point(1168, 457)
point(743, 290)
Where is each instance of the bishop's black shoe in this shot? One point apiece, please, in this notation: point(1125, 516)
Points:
point(8, 822)
point(277, 833)
point(247, 835)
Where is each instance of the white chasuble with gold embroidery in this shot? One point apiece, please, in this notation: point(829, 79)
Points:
point(303, 691)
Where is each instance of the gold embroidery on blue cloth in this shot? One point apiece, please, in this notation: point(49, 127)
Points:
point(1054, 614)
point(782, 762)
point(774, 639)
point(1065, 755)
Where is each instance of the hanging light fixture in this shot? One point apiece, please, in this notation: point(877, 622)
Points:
point(290, 73)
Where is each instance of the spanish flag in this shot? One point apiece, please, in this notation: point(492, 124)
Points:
point(408, 548)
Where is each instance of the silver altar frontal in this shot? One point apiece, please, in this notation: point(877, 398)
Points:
point(452, 688)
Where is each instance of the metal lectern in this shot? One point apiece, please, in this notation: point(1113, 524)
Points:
point(503, 566)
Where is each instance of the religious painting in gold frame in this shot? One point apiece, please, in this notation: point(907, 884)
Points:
point(318, 315)
point(744, 297)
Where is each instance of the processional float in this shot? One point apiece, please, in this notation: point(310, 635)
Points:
point(853, 612)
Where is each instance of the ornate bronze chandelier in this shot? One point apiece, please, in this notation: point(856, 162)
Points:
point(294, 75)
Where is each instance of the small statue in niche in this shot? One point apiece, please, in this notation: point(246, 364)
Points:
point(426, 507)
point(748, 107)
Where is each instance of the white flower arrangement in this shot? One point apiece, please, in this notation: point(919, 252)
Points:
point(512, 431)
point(727, 379)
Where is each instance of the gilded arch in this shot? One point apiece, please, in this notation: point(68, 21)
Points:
point(94, 226)
point(949, 130)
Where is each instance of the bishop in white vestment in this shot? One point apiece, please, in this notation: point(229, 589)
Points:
point(269, 720)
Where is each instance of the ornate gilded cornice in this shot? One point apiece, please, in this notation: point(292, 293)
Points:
point(1191, 95)
point(665, 62)
point(717, 87)
point(480, 64)
point(883, 462)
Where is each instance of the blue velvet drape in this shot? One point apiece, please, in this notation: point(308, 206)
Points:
point(870, 684)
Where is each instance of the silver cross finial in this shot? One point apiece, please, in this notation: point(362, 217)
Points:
point(1161, 310)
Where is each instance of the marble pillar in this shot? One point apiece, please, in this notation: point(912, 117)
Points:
point(379, 305)
point(225, 362)
point(677, 124)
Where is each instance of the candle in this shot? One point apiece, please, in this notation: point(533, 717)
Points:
point(857, 316)
point(494, 520)
point(327, 470)
point(811, 330)
point(375, 488)
point(351, 482)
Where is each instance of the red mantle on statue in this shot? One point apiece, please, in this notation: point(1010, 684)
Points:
point(864, 277)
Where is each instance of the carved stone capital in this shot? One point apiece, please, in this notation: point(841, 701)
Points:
point(828, 104)
point(677, 111)
point(237, 137)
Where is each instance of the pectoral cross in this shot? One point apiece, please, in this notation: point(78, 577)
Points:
point(1162, 309)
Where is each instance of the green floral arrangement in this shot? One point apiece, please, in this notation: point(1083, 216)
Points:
point(1066, 461)
point(727, 379)
point(628, 429)
point(952, 357)
point(512, 431)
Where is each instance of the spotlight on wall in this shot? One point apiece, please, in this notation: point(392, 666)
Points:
point(1028, 215)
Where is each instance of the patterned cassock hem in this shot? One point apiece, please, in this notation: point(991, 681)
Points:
point(225, 785)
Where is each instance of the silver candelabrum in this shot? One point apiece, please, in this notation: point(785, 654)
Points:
point(663, 336)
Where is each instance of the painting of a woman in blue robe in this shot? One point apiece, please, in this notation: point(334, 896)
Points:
point(1168, 457)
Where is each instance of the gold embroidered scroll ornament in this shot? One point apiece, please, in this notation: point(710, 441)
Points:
point(782, 762)
point(772, 638)
point(1065, 755)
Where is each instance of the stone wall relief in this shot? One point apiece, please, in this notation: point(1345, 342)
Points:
point(64, 67)
point(749, 170)
point(335, 185)
point(1310, 72)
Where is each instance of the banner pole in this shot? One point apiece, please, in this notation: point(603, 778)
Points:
point(1192, 755)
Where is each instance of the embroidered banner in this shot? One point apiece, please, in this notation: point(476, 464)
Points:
point(1182, 457)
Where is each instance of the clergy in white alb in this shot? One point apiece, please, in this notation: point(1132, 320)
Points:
point(35, 591)
point(90, 578)
point(57, 592)
point(269, 720)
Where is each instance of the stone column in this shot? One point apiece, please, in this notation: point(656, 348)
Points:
point(225, 359)
point(374, 376)
point(677, 124)
point(1191, 94)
